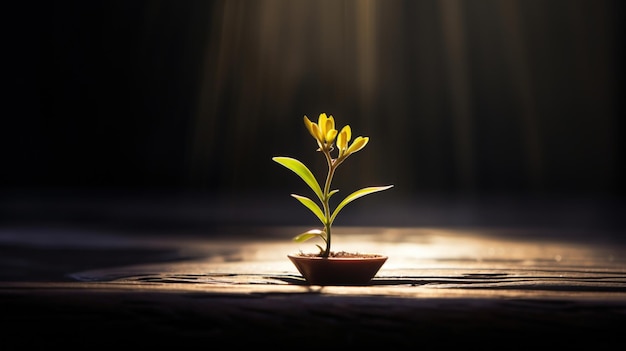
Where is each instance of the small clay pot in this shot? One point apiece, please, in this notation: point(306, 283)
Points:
point(342, 270)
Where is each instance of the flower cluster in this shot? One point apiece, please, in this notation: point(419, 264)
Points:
point(325, 133)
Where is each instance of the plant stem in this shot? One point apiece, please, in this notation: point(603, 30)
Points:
point(326, 202)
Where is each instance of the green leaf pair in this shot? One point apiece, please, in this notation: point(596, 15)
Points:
point(303, 172)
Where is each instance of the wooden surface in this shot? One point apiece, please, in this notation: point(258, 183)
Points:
point(452, 286)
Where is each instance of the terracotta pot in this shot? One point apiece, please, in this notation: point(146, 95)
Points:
point(338, 270)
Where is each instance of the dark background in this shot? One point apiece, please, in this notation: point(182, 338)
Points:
point(477, 111)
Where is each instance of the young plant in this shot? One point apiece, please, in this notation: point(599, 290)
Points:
point(327, 138)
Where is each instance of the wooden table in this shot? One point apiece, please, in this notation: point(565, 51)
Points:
point(235, 285)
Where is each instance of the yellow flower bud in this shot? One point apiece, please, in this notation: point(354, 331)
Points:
point(348, 132)
point(313, 129)
point(331, 135)
point(342, 139)
point(321, 122)
point(330, 124)
point(358, 144)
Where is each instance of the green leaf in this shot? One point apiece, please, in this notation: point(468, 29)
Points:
point(302, 171)
point(309, 235)
point(332, 192)
point(311, 206)
point(355, 195)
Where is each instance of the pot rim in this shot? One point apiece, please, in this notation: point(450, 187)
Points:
point(367, 256)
